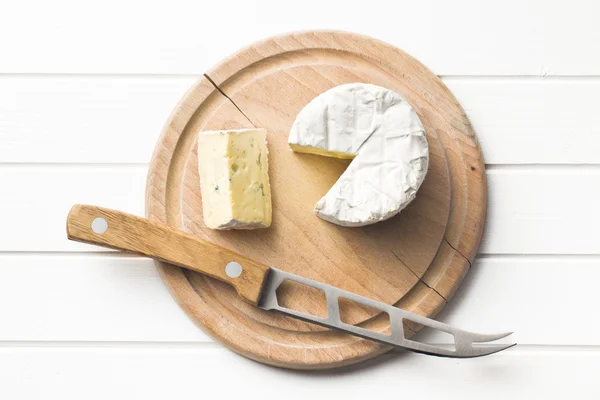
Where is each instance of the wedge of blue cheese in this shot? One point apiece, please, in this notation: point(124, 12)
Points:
point(376, 128)
point(234, 179)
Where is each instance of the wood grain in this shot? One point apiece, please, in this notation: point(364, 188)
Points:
point(73, 316)
point(140, 236)
point(327, 53)
point(386, 261)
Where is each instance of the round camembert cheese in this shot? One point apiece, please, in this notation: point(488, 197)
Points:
point(380, 131)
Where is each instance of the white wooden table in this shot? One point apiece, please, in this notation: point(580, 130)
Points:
point(84, 91)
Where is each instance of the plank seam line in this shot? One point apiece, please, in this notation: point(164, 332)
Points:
point(190, 75)
point(568, 167)
point(540, 256)
point(74, 165)
point(125, 345)
point(458, 252)
point(521, 77)
point(82, 254)
point(108, 344)
point(118, 254)
point(493, 168)
point(100, 75)
point(418, 277)
point(228, 98)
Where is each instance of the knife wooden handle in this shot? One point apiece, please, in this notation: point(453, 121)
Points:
point(121, 231)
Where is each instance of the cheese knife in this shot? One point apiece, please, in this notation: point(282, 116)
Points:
point(257, 283)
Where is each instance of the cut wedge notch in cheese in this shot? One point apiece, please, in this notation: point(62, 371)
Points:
point(380, 131)
point(234, 179)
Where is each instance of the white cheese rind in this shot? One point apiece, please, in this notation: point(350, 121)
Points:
point(383, 132)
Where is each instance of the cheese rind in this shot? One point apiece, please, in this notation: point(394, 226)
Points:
point(384, 136)
point(234, 179)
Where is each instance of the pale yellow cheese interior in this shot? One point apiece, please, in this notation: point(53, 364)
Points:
point(234, 179)
point(321, 152)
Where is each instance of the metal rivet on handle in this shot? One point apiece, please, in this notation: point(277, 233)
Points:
point(99, 225)
point(233, 269)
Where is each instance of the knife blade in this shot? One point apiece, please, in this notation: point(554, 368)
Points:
point(257, 283)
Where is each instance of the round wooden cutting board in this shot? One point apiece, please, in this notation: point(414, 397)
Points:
point(415, 260)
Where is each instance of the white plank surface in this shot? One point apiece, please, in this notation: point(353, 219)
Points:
point(76, 298)
point(60, 119)
point(465, 37)
point(171, 373)
point(551, 210)
point(84, 91)
point(533, 121)
point(68, 299)
point(522, 121)
point(35, 201)
point(531, 210)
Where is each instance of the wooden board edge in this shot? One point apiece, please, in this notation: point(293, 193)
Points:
point(321, 39)
point(427, 299)
point(447, 271)
point(422, 300)
point(167, 141)
point(190, 301)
